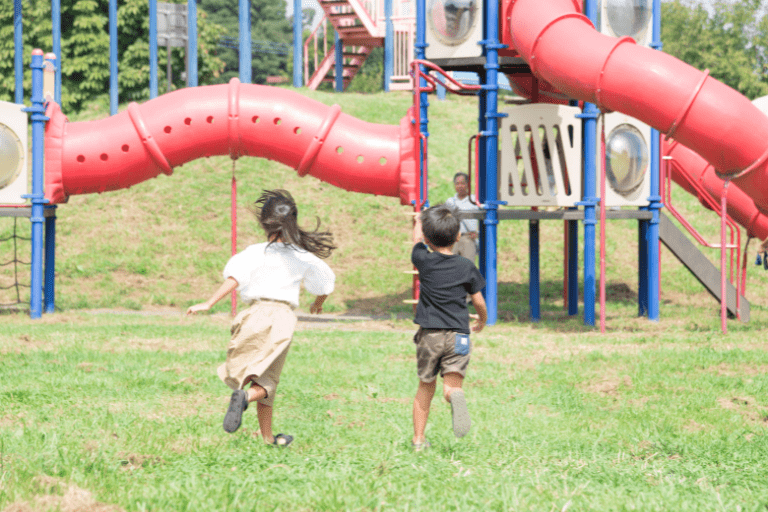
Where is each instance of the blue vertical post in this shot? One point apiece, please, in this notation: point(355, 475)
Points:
point(590, 201)
point(153, 48)
point(421, 47)
point(338, 48)
point(192, 43)
point(655, 198)
point(246, 60)
point(50, 260)
point(573, 267)
point(642, 266)
point(113, 98)
point(18, 56)
point(56, 35)
point(297, 43)
point(37, 197)
point(389, 46)
point(489, 164)
point(534, 281)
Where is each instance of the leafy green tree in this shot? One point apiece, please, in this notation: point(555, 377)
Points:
point(732, 42)
point(268, 24)
point(85, 49)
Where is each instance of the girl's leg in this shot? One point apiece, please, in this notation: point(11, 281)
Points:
point(421, 409)
point(451, 382)
point(264, 412)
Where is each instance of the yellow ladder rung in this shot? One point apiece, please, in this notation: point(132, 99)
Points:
point(414, 272)
point(410, 301)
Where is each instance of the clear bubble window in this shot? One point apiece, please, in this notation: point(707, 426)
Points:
point(627, 159)
point(452, 21)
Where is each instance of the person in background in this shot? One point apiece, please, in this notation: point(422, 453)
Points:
point(469, 228)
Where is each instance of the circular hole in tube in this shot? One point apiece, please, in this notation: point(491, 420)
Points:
point(81, 158)
point(255, 119)
point(278, 121)
point(104, 157)
point(360, 159)
point(125, 148)
point(339, 150)
point(188, 121)
point(209, 119)
point(167, 129)
point(383, 161)
point(297, 130)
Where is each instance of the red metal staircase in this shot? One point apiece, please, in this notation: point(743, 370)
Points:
point(361, 26)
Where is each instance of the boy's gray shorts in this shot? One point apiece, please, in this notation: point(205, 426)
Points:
point(435, 352)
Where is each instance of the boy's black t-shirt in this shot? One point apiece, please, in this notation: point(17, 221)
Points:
point(445, 282)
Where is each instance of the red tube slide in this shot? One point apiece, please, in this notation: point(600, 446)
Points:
point(238, 120)
point(562, 47)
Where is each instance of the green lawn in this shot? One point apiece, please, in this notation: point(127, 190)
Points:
point(124, 412)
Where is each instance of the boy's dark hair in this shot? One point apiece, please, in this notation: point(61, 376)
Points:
point(461, 175)
point(440, 225)
point(278, 215)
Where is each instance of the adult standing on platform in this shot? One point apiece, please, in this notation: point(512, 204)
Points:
point(467, 244)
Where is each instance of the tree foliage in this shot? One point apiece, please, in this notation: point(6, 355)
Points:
point(268, 24)
point(85, 49)
point(732, 42)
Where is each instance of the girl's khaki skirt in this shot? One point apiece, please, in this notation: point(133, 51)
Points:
point(261, 336)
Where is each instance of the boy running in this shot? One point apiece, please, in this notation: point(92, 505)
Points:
point(442, 341)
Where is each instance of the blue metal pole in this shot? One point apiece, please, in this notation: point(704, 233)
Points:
point(481, 179)
point(153, 48)
point(246, 60)
point(590, 201)
point(298, 45)
point(389, 46)
point(18, 56)
point(339, 63)
point(490, 164)
point(113, 97)
point(50, 261)
point(37, 197)
point(655, 199)
point(56, 33)
point(642, 267)
point(192, 43)
point(534, 281)
point(421, 46)
point(573, 267)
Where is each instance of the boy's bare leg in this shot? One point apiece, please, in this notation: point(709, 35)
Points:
point(421, 404)
point(451, 382)
point(264, 412)
point(455, 396)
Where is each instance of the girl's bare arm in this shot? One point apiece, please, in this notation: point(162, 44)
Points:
point(224, 290)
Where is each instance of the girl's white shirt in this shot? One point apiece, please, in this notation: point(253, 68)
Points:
point(277, 271)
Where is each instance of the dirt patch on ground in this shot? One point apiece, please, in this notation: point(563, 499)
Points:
point(56, 495)
point(747, 407)
point(609, 386)
point(738, 370)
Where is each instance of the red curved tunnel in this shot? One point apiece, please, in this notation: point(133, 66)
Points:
point(230, 119)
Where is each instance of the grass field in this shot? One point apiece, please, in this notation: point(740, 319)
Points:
point(112, 403)
point(123, 412)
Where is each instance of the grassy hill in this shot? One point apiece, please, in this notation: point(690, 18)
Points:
point(164, 242)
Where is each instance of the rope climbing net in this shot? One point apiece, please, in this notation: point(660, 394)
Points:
point(15, 273)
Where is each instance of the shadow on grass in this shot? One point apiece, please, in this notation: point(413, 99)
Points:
point(513, 304)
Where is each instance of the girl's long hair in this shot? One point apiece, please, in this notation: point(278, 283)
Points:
point(278, 215)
